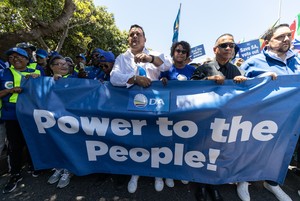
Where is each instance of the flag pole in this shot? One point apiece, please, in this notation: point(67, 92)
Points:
point(279, 11)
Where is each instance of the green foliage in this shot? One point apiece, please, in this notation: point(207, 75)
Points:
point(19, 15)
point(93, 27)
point(90, 27)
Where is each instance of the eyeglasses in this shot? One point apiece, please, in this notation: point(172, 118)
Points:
point(225, 45)
point(104, 66)
point(19, 57)
point(59, 64)
point(181, 51)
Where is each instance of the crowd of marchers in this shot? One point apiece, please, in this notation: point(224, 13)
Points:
point(140, 66)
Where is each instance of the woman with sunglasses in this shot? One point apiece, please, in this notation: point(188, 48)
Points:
point(180, 70)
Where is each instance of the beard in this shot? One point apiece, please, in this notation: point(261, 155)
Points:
point(284, 49)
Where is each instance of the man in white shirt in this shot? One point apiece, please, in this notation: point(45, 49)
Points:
point(138, 65)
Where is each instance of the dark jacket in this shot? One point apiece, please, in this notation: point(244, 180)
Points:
point(229, 70)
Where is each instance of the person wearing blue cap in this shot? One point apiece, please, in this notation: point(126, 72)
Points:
point(10, 81)
point(80, 62)
point(106, 64)
point(42, 59)
point(93, 71)
point(29, 48)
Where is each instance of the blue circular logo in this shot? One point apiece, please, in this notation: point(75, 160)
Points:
point(140, 101)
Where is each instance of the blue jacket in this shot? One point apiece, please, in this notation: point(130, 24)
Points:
point(264, 62)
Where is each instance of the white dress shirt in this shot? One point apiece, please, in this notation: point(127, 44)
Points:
point(125, 68)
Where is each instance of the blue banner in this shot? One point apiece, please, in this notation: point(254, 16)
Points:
point(188, 130)
point(248, 49)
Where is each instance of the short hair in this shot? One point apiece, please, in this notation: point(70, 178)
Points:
point(185, 46)
point(56, 57)
point(270, 32)
point(137, 26)
point(225, 34)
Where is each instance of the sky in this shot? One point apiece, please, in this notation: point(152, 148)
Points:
point(201, 21)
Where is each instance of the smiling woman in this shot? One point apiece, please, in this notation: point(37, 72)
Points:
point(18, 58)
point(10, 82)
point(59, 66)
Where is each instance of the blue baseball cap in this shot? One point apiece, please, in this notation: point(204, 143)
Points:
point(108, 57)
point(42, 53)
point(81, 56)
point(17, 50)
point(100, 51)
point(53, 53)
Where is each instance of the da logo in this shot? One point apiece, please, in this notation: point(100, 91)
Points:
point(9, 85)
point(140, 101)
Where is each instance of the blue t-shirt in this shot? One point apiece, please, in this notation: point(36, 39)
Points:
point(178, 73)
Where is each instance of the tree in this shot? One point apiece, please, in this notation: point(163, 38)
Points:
point(26, 28)
point(67, 26)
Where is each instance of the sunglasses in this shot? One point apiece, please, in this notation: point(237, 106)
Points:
point(104, 66)
point(181, 51)
point(225, 45)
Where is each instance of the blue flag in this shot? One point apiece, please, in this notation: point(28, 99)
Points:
point(176, 27)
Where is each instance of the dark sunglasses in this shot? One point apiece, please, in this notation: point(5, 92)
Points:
point(182, 51)
point(225, 45)
point(104, 66)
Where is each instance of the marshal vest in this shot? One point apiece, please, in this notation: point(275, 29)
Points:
point(17, 81)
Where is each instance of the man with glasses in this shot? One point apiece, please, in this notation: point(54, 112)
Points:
point(277, 58)
point(219, 69)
